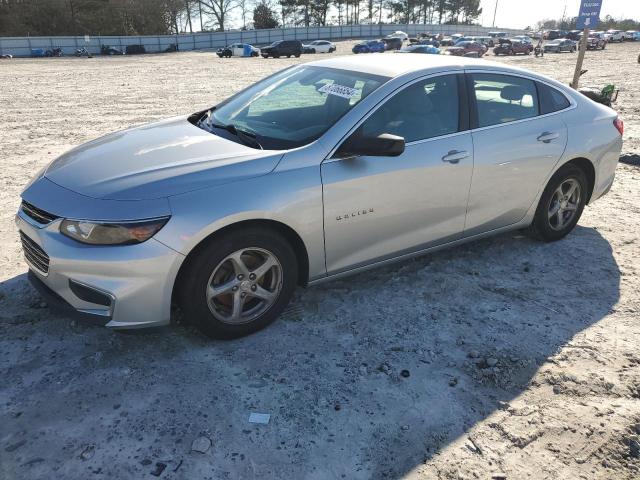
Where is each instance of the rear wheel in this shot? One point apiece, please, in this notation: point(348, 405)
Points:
point(561, 204)
point(238, 283)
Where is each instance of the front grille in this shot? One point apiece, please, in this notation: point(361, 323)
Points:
point(34, 254)
point(37, 214)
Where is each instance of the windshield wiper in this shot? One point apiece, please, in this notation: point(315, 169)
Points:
point(249, 138)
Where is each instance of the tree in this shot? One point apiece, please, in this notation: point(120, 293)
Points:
point(245, 8)
point(264, 16)
point(220, 10)
point(287, 9)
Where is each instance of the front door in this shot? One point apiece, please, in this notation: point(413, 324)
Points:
point(380, 207)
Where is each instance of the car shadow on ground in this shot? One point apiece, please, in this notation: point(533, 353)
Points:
point(364, 377)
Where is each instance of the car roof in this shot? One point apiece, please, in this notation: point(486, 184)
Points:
point(398, 65)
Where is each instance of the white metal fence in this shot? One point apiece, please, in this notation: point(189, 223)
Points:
point(22, 46)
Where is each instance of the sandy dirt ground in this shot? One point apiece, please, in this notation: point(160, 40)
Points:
point(504, 358)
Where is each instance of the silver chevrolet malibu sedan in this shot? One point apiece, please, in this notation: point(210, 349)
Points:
point(318, 171)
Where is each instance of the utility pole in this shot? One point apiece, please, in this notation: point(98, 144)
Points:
point(495, 11)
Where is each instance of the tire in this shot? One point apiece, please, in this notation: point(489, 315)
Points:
point(297, 55)
point(546, 226)
point(215, 316)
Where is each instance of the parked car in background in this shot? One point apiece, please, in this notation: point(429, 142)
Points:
point(429, 41)
point(595, 41)
point(486, 41)
point(574, 35)
point(110, 50)
point(392, 43)
point(554, 34)
point(497, 35)
point(226, 211)
point(369, 46)
point(560, 45)
point(614, 36)
point(417, 48)
point(523, 38)
point(466, 48)
point(450, 40)
point(282, 48)
point(464, 39)
point(632, 35)
point(398, 34)
point(54, 52)
point(238, 50)
point(135, 49)
point(512, 47)
point(319, 46)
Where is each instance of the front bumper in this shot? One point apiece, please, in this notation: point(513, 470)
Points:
point(136, 280)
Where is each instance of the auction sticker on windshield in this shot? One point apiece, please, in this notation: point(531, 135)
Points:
point(339, 90)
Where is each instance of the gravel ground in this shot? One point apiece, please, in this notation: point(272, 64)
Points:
point(504, 358)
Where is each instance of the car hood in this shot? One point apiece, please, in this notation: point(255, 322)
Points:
point(157, 160)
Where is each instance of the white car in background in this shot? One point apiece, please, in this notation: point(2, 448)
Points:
point(319, 46)
point(523, 38)
point(399, 34)
point(614, 36)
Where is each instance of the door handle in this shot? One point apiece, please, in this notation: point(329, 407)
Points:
point(546, 137)
point(454, 156)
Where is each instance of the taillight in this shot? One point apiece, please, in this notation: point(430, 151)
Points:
point(619, 124)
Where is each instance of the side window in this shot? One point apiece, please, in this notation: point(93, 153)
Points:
point(551, 100)
point(423, 110)
point(504, 98)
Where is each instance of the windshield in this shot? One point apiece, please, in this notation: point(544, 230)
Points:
point(291, 108)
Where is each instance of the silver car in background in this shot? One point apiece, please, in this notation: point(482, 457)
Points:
point(318, 171)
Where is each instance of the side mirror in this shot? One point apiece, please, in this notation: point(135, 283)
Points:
point(384, 145)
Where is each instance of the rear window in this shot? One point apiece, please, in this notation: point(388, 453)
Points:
point(551, 100)
point(503, 98)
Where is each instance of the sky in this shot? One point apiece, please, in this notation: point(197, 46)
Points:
point(523, 13)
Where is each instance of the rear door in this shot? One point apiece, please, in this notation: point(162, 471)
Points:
point(518, 137)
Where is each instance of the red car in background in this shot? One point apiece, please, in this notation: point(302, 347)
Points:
point(463, 49)
point(512, 47)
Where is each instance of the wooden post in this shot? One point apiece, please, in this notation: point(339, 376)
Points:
point(581, 52)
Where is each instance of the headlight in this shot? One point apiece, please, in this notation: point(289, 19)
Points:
point(108, 233)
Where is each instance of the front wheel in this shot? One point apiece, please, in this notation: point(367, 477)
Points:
point(561, 204)
point(239, 283)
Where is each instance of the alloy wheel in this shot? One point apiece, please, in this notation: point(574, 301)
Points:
point(564, 204)
point(244, 285)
